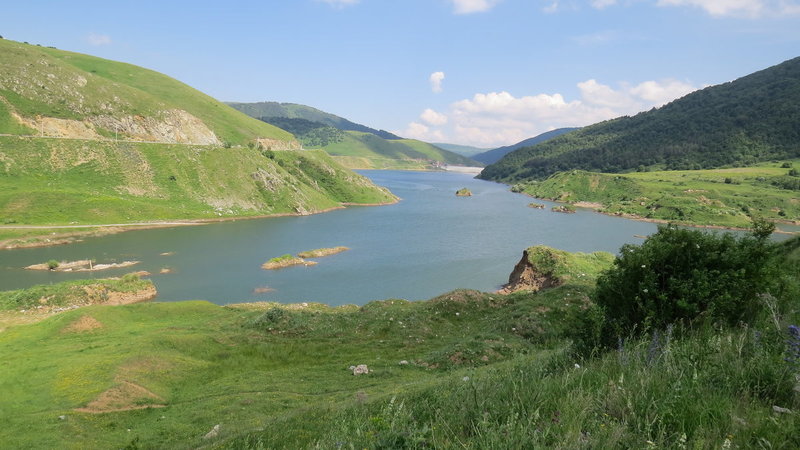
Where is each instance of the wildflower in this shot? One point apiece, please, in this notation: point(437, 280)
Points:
point(458, 314)
point(577, 366)
point(465, 379)
point(643, 266)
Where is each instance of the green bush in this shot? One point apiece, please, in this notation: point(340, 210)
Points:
point(686, 276)
point(53, 264)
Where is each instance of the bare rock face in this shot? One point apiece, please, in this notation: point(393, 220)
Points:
point(528, 276)
point(173, 126)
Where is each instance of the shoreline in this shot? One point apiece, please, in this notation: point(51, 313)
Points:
point(99, 230)
point(596, 207)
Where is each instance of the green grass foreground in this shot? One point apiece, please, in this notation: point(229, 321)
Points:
point(463, 370)
point(721, 197)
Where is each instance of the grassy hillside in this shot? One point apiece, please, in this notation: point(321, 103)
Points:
point(374, 151)
point(268, 111)
point(109, 96)
point(64, 181)
point(743, 122)
point(726, 197)
point(252, 367)
point(360, 147)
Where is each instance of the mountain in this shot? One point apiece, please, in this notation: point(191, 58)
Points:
point(749, 120)
point(464, 150)
point(88, 140)
point(492, 156)
point(363, 148)
point(367, 151)
point(269, 110)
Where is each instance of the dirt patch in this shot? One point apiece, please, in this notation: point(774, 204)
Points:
point(125, 396)
point(126, 298)
point(592, 205)
point(83, 324)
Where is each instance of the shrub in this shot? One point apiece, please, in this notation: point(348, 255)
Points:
point(685, 276)
point(53, 264)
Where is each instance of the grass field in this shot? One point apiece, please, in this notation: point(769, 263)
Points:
point(724, 197)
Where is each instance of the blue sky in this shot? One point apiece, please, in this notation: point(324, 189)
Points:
point(476, 72)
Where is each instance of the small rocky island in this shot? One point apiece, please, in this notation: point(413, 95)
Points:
point(566, 209)
point(84, 265)
point(464, 192)
point(289, 260)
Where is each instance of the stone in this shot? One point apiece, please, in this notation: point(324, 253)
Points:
point(213, 433)
point(780, 410)
point(360, 369)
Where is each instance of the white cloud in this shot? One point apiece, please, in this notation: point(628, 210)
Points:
point(473, 6)
point(740, 8)
point(499, 118)
point(340, 3)
point(98, 39)
point(436, 79)
point(432, 117)
point(602, 4)
point(416, 130)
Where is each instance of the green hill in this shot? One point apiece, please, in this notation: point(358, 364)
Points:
point(68, 94)
point(355, 146)
point(367, 151)
point(739, 123)
point(105, 142)
point(269, 110)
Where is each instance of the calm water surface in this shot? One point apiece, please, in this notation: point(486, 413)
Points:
point(429, 243)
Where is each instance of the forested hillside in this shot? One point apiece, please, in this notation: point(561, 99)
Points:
point(749, 120)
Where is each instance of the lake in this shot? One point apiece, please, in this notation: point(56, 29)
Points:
point(429, 243)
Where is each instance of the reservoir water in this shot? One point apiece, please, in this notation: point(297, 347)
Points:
point(429, 243)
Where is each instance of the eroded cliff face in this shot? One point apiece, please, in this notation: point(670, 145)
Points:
point(172, 126)
point(532, 276)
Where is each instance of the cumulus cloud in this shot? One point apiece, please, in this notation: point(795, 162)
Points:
point(416, 130)
point(339, 3)
point(98, 39)
point(473, 6)
point(740, 8)
point(432, 117)
point(436, 79)
point(499, 118)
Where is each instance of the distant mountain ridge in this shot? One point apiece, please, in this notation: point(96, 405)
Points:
point(752, 119)
point(492, 156)
point(464, 150)
point(353, 145)
point(265, 110)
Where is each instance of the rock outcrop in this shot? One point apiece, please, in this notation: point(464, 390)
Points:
point(534, 272)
